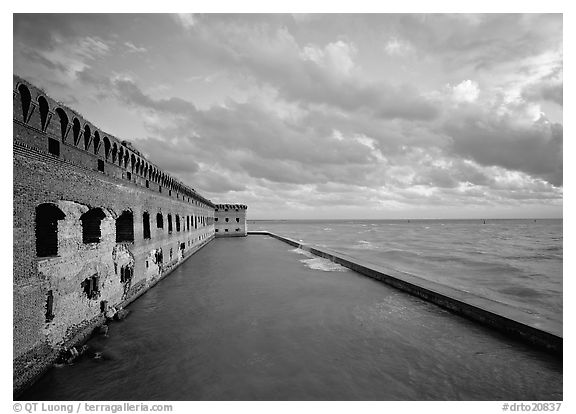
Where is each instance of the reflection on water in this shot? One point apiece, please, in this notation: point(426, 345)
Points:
point(250, 319)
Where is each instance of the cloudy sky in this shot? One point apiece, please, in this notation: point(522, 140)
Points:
point(323, 116)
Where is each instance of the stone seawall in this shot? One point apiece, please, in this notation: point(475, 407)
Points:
point(499, 316)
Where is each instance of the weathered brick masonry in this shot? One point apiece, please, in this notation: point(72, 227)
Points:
point(230, 220)
point(95, 225)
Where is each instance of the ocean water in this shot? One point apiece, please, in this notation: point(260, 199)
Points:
point(516, 262)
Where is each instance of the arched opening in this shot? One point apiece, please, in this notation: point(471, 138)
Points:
point(25, 99)
point(44, 109)
point(159, 221)
point(132, 162)
point(91, 221)
point(146, 225)
point(114, 152)
point(63, 122)
point(47, 216)
point(76, 131)
point(87, 137)
point(120, 155)
point(96, 142)
point(106, 148)
point(125, 227)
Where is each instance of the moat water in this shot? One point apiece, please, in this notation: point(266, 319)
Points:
point(254, 319)
point(516, 262)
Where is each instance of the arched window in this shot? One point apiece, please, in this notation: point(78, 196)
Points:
point(106, 148)
point(91, 221)
point(125, 227)
point(169, 223)
point(87, 137)
point(63, 121)
point(177, 222)
point(76, 131)
point(159, 221)
point(44, 109)
point(114, 152)
point(132, 162)
point(47, 216)
point(146, 225)
point(96, 142)
point(25, 99)
point(120, 156)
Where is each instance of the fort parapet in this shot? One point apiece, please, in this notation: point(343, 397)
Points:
point(95, 225)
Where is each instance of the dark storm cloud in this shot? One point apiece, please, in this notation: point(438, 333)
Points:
point(535, 149)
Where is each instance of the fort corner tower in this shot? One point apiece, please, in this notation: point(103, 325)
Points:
point(230, 220)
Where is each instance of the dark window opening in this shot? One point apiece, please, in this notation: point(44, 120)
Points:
point(216, 230)
point(159, 221)
point(188, 223)
point(159, 188)
point(237, 219)
point(226, 230)
point(125, 227)
point(126, 273)
point(47, 216)
point(106, 148)
point(182, 246)
point(91, 221)
point(96, 142)
point(43, 108)
point(87, 137)
point(159, 256)
point(63, 121)
point(129, 175)
point(146, 264)
point(91, 287)
point(147, 184)
point(25, 99)
point(237, 229)
point(146, 225)
point(227, 219)
point(53, 147)
point(177, 222)
point(216, 219)
point(49, 306)
point(169, 223)
point(76, 131)
point(101, 165)
point(169, 192)
point(170, 253)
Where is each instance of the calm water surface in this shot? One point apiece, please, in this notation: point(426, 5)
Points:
point(253, 319)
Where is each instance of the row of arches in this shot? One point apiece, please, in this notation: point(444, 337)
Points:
point(48, 215)
point(113, 151)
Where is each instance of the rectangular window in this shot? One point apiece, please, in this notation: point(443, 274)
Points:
point(128, 175)
point(159, 188)
point(101, 165)
point(147, 184)
point(146, 225)
point(54, 147)
point(49, 306)
point(216, 230)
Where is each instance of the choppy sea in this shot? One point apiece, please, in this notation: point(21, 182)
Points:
point(516, 262)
